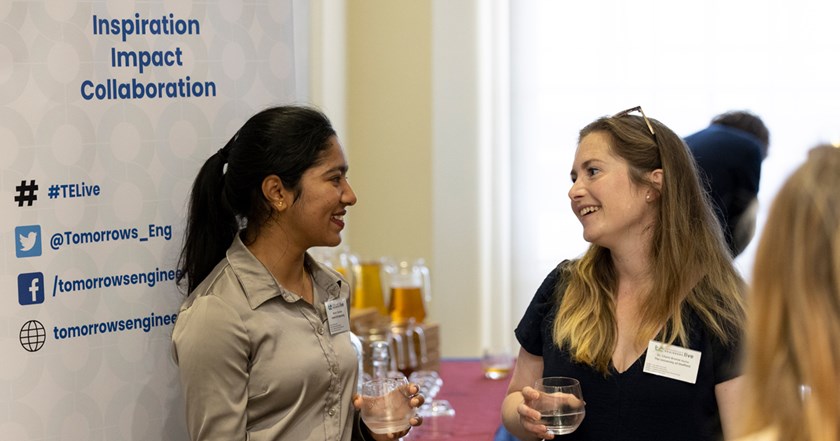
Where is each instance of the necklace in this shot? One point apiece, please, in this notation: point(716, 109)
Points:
point(307, 293)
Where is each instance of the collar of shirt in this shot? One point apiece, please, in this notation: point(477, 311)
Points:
point(260, 286)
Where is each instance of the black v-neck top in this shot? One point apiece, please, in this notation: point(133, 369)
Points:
point(633, 405)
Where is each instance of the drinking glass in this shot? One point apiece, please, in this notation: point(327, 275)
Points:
point(560, 404)
point(430, 383)
point(497, 363)
point(386, 405)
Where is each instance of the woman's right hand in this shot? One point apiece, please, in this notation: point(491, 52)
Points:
point(529, 417)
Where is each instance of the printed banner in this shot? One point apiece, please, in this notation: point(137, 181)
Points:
point(108, 110)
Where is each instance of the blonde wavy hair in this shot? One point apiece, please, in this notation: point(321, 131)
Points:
point(793, 342)
point(690, 263)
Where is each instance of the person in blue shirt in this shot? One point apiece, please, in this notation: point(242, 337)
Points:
point(729, 154)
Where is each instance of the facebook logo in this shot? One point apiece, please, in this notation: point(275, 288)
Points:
point(28, 241)
point(30, 288)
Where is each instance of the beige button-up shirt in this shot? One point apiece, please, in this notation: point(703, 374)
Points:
point(259, 363)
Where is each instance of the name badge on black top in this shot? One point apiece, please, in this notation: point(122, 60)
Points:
point(672, 361)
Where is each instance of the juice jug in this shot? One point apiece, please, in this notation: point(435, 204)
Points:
point(368, 283)
point(409, 286)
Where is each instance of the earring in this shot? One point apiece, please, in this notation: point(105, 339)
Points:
point(647, 198)
point(279, 205)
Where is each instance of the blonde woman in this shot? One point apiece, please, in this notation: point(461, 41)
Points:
point(657, 274)
point(793, 355)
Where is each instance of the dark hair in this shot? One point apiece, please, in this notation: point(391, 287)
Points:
point(284, 141)
point(748, 122)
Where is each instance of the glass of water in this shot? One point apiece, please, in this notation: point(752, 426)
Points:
point(386, 405)
point(560, 404)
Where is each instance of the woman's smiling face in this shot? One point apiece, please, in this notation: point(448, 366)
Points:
point(610, 206)
point(316, 218)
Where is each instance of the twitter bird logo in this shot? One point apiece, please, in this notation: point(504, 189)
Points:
point(28, 241)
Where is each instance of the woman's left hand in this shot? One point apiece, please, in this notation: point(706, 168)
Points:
point(417, 400)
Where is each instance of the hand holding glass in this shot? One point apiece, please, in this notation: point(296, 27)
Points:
point(560, 404)
point(386, 405)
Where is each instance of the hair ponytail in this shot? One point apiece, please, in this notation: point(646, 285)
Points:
point(211, 223)
point(226, 196)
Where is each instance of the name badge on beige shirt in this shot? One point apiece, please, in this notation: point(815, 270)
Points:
point(337, 317)
point(672, 361)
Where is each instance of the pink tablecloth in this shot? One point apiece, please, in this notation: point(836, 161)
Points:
point(477, 402)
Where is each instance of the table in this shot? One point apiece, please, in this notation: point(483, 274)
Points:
point(477, 402)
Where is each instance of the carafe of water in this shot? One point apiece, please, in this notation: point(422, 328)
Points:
point(381, 358)
point(383, 348)
point(409, 286)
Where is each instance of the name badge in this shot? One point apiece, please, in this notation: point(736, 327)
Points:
point(337, 316)
point(672, 361)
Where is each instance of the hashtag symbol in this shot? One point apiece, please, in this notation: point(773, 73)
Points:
point(52, 192)
point(26, 193)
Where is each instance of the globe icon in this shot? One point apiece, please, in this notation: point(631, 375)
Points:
point(32, 335)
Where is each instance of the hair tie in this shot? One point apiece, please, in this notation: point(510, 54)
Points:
point(224, 151)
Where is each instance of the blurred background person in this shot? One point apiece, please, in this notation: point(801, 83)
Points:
point(656, 274)
point(729, 154)
point(793, 341)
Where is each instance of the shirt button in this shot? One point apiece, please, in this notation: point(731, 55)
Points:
point(321, 330)
point(331, 412)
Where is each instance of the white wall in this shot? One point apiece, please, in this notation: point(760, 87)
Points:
point(413, 135)
point(497, 176)
point(684, 63)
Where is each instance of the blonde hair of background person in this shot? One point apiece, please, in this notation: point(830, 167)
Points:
point(794, 324)
point(679, 260)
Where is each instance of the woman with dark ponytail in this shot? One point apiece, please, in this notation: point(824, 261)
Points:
point(260, 357)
